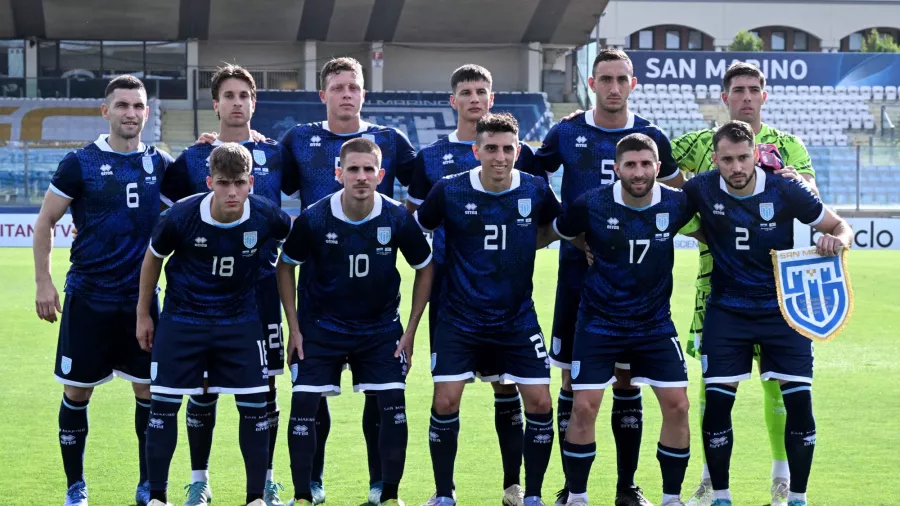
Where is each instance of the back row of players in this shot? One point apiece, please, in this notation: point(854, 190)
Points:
point(219, 335)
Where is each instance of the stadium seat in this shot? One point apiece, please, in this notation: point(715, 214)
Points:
point(701, 92)
point(638, 88)
point(674, 88)
point(686, 89)
point(815, 90)
point(828, 90)
point(840, 90)
point(878, 93)
point(890, 93)
point(803, 90)
point(662, 89)
point(790, 89)
point(715, 91)
point(853, 91)
point(865, 92)
point(778, 89)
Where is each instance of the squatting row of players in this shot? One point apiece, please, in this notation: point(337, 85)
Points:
point(485, 197)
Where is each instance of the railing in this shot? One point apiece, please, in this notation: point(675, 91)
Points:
point(860, 177)
point(162, 87)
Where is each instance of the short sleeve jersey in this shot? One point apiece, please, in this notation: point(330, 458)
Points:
point(115, 205)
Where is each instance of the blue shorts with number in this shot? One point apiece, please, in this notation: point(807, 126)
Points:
point(653, 360)
point(233, 356)
point(269, 304)
point(726, 351)
point(98, 340)
point(370, 356)
point(511, 357)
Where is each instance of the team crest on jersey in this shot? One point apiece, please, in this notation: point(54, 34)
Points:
point(153, 368)
point(524, 207)
point(767, 210)
point(814, 292)
point(65, 364)
point(259, 156)
point(250, 239)
point(557, 345)
point(576, 368)
point(384, 235)
point(662, 221)
point(147, 161)
point(295, 369)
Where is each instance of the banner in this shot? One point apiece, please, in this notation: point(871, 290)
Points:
point(868, 233)
point(821, 69)
point(17, 230)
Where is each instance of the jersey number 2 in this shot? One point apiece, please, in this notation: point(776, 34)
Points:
point(743, 235)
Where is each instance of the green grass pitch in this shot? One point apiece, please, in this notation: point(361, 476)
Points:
point(855, 397)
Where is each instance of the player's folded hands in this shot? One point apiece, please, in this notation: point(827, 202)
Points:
point(295, 343)
point(829, 245)
point(46, 302)
point(145, 331)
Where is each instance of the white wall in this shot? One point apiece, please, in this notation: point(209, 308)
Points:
point(428, 68)
point(274, 55)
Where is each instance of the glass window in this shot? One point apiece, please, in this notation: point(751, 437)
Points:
point(80, 58)
point(695, 40)
point(12, 58)
point(801, 41)
point(123, 57)
point(673, 39)
point(48, 59)
point(778, 41)
point(645, 39)
point(627, 43)
point(856, 42)
point(167, 59)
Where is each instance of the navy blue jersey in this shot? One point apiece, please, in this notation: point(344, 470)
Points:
point(212, 275)
point(587, 154)
point(448, 156)
point(355, 287)
point(491, 242)
point(741, 232)
point(187, 176)
point(115, 205)
point(626, 291)
point(315, 154)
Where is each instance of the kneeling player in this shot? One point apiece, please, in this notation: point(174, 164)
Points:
point(210, 321)
point(352, 237)
point(629, 227)
point(493, 216)
point(744, 214)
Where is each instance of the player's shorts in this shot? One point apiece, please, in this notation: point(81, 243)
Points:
point(437, 284)
point(696, 333)
point(654, 361)
point(269, 303)
point(371, 359)
point(98, 340)
point(728, 347)
point(232, 356)
point(515, 357)
point(565, 313)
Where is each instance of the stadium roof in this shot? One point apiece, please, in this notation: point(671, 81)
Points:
point(412, 21)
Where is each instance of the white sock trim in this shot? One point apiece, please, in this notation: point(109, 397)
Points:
point(793, 496)
point(722, 494)
point(200, 475)
point(780, 469)
point(705, 474)
point(269, 475)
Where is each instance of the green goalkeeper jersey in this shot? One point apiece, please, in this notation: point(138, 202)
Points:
point(693, 154)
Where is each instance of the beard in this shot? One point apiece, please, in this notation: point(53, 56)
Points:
point(628, 186)
point(749, 179)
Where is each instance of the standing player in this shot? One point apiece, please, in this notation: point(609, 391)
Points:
point(494, 216)
point(744, 93)
point(112, 188)
point(744, 214)
point(472, 98)
point(624, 311)
point(210, 321)
point(585, 147)
point(234, 99)
point(353, 316)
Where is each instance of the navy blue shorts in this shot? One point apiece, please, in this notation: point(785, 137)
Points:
point(510, 357)
point(269, 304)
point(565, 312)
point(233, 356)
point(437, 284)
point(655, 361)
point(371, 359)
point(726, 351)
point(98, 340)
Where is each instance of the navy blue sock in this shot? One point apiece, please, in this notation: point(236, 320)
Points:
point(579, 459)
point(274, 415)
point(73, 432)
point(673, 463)
point(538, 445)
point(718, 437)
point(323, 428)
point(141, 416)
point(302, 440)
point(253, 437)
point(508, 423)
point(392, 440)
point(563, 414)
point(443, 434)
point(627, 428)
point(799, 432)
point(201, 421)
point(162, 438)
point(371, 422)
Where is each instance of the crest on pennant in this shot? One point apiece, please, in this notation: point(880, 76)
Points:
point(524, 207)
point(814, 292)
point(259, 156)
point(576, 368)
point(65, 364)
point(384, 235)
point(250, 239)
point(148, 164)
point(662, 221)
point(767, 210)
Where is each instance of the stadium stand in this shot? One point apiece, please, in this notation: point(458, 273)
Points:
point(66, 119)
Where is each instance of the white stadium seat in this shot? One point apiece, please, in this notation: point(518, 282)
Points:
point(828, 90)
point(803, 90)
point(662, 88)
point(878, 93)
point(674, 88)
point(840, 90)
point(701, 92)
point(790, 89)
point(778, 89)
point(715, 90)
point(853, 91)
point(890, 93)
point(815, 90)
point(865, 92)
point(686, 89)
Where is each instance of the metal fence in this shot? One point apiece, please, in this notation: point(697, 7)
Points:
point(860, 177)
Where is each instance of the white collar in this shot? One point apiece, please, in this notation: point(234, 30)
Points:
point(475, 179)
point(654, 199)
point(589, 119)
point(454, 138)
point(337, 209)
point(363, 126)
point(206, 213)
point(759, 188)
point(103, 144)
